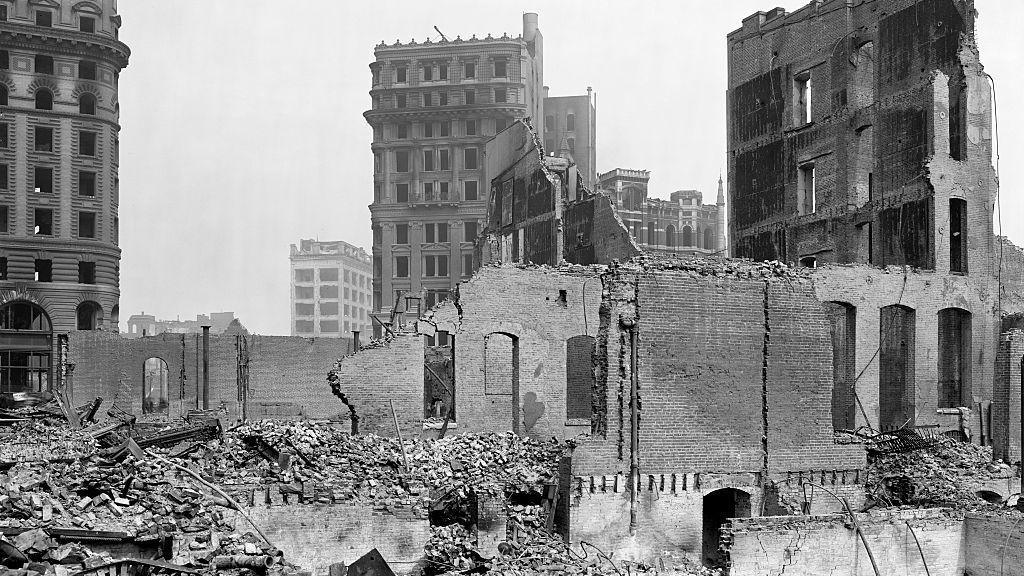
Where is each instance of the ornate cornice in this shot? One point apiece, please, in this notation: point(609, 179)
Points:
point(66, 42)
point(443, 112)
point(57, 245)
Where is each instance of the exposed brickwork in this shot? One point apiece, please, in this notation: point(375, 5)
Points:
point(993, 545)
point(1006, 399)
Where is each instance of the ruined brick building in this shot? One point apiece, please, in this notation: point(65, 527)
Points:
point(59, 254)
point(682, 225)
point(570, 131)
point(330, 289)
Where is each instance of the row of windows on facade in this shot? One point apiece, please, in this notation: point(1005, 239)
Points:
point(635, 201)
point(430, 192)
point(43, 181)
point(44, 271)
point(433, 233)
point(44, 18)
point(44, 100)
point(329, 327)
point(44, 140)
point(433, 160)
point(43, 223)
point(570, 122)
point(330, 309)
point(439, 72)
point(42, 64)
point(672, 238)
point(439, 99)
point(333, 292)
point(433, 266)
point(331, 275)
point(442, 129)
point(897, 355)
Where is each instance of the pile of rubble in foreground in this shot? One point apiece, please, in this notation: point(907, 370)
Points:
point(949, 473)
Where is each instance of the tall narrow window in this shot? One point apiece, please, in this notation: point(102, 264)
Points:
point(86, 183)
point(807, 201)
point(442, 157)
point(843, 327)
point(954, 358)
point(4, 178)
point(87, 143)
point(957, 232)
point(44, 270)
point(401, 266)
point(402, 193)
point(471, 159)
point(86, 273)
point(802, 98)
point(469, 70)
point(5, 60)
point(500, 95)
point(500, 69)
point(428, 160)
point(44, 179)
point(400, 101)
point(402, 130)
point(87, 104)
point(428, 100)
point(400, 74)
point(896, 355)
point(442, 71)
point(579, 376)
point(570, 121)
point(44, 99)
point(86, 224)
point(5, 218)
point(401, 233)
point(44, 139)
point(469, 190)
point(428, 73)
point(470, 97)
point(401, 160)
point(428, 129)
point(3, 102)
point(470, 127)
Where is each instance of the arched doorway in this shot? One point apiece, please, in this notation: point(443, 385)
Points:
point(687, 236)
point(501, 373)
point(89, 315)
point(26, 344)
point(154, 386)
point(719, 506)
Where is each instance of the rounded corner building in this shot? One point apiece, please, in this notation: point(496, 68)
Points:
point(59, 255)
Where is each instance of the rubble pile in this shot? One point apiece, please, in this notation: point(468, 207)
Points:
point(949, 473)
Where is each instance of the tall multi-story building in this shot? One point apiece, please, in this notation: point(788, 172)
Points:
point(434, 105)
point(570, 131)
point(59, 255)
point(330, 293)
point(682, 225)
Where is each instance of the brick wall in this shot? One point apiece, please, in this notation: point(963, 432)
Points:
point(993, 545)
point(285, 374)
point(810, 546)
point(314, 536)
point(1006, 400)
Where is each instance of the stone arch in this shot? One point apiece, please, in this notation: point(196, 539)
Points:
point(86, 88)
point(670, 236)
point(87, 7)
point(87, 103)
point(687, 236)
point(842, 318)
point(88, 315)
point(154, 386)
point(896, 389)
point(501, 370)
point(718, 507)
point(709, 239)
point(954, 357)
point(44, 98)
point(26, 334)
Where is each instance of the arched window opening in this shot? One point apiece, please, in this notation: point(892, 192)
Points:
point(26, 338)
point(687, 236)
point(896, 367)
point(87, 104)
point(670, 236)
point(652, 234)
point(501, 374)
point(718, 507)
point(44, 99)
point(709, 239)
point(954, 358)
point(842, 319)
point(115, 317)
point(90, 315)
point(154, 386)
point(579, 376)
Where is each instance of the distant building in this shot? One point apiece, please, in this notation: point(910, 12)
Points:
point(682, 225)
point(140, 325)
point(434, 105)
point(330, 289)
point(570, 131)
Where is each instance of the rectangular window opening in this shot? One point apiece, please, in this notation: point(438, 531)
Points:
point(806, 190)
point(957, 232)
point(802, 98)
point(43, 271)
point(86, 272)
point(86, 224)
point(44, 139)
point(43, 222)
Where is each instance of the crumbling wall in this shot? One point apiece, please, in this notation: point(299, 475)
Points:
point(282, 376)
point(993, 545)
point(316, 536)
point(870, 289)
point(810, 546)
point(1006, 401)
point(593, 233)
point(373, 378)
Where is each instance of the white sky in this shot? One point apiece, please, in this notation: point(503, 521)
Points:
point(242, 127)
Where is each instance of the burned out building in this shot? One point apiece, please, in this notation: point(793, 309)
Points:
point(682, 225)
point(861, 134)
point(570, 131)
point(434, 105)
point(59, 254)
point(330, 289)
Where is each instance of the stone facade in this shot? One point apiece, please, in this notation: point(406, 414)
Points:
point(330, 289)
point(434, 105)
point(683, 225)
point(570, 131)
point(59, 255)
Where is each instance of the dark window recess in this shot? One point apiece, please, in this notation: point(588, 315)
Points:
point(471, 159)
point(896, 355)
point(87, 104)
point(3, 13)
point(957, 235)
point(427, 99)
point(954, 358)
point(3, 267)
point(401, 193)
point(86, 24)
point(4, 177)
point(304, 275)
point(401, 234)
point(843, 327)
point(44, 99)
point(402, 161)
point(470, 97)
point(470, 232)
point(87, 70)
point(469, 70)
point(86, 272)
point(470, 190)
point(470, 127)
point(428, 73)
point(4, 220)
point(428, 129)
point(400, 100)
point(44, 179)
point(44, 18)
point(442, 72)
point(467, 265)
point(44, 139)
point(44, 221)
point(500, 95)
point(442, 99)
point(400, 74)
point(579, 376)
point(402, 131)
point(570, 122)
point(4, 141)
point(3, 102)
point(5, 60)
point(401, 266)
point(44, 64)
point(87, 143)
point(378, 234)
point(500, 69)
point(86, 224)
point(44, 271)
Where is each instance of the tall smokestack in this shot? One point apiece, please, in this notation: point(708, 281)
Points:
point(529, 26)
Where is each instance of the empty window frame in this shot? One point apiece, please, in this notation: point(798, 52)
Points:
point(86, 24)
point(470, 96)
point(402, 193)
point(4, 177)
point(806, 189)
point(87, 104)
point(401, 266)
point(469, 70)
point(500, 69)
point(442, 71)
point(43, 139)
point(444, 128)
point(87, 143)
point(43, 64)
point(4, 102)
point(470, 157)
point(579, 376)
point(400, 101)
point(843, 328)
point(401, 233)
point(954, 358)
point(469, 231)
point(435, 232)
point(443, 160)
point(44, 18)
point(442, 98)
point(87, 70)
point(428, 73)
point(428, 99)
point(401, 160)
point(958, 235)
point(896, 356)
point(5, 218)
point(44, 99)
point(428, 190)
point(86, 272)
point(43, 270)
point(428, 161)
point(471, 128)
point(802, 98)
point(402, 130)
point(570, 122)
point(4, 128)
point(86, 224)
point(428, 129)
point(401, 73)
point(467, 265)
point(43, 179)
point(470, 190)
point(86, 183)
point(500, 95)
point(5, 60)
point(435, 265)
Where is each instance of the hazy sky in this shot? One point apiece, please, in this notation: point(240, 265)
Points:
point(242, 127)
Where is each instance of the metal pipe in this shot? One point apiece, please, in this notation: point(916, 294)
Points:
point(206, 367)
point(398, 431)
point(243, 561)
point(634, 425)
point(853, 519)
point(918, 542)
